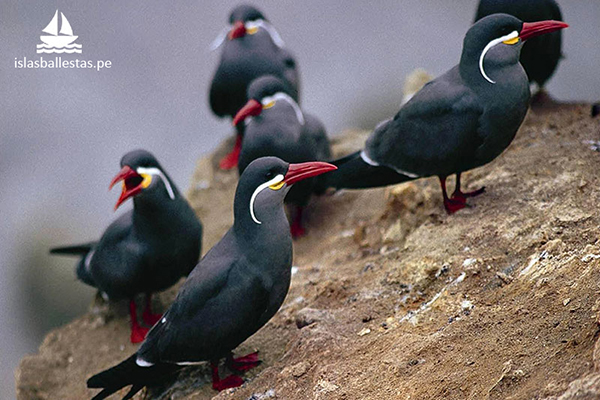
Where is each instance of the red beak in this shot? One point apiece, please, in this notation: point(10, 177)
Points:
point(238, 30)
point(252, 107)
point(129, 190)
point(298, 172)
point(533, 29)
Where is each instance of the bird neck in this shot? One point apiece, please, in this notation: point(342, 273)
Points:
point(266, 224)
point(495, 65)
point(156, 211)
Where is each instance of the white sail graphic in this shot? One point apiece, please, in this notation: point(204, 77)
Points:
point(65, 28)
point(58, 41)
point(52, 27)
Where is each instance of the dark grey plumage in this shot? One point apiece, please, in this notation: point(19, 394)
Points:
point(251, 48)
point(246, 58)
point(459, 121)
point(148, 248)
point(540, 56)
point(278, 127)
point(235, 289)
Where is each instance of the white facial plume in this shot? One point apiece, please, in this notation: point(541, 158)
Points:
point(260, 188)
point(251, 26)
point(511, 36)
point(283, 96)
point(157, 172)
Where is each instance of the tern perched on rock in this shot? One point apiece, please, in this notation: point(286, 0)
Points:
point(459, 121)
point(147, 249)
point(234, 290)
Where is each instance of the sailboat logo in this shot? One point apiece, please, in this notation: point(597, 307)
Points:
point(58, 41)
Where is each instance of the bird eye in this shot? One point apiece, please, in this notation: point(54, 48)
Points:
point(269, 175)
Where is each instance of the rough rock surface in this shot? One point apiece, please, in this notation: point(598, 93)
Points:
point(396, 299)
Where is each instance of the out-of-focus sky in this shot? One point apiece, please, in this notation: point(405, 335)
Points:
point(63, 131)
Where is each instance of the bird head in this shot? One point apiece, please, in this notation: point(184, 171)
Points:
point(245, 20)
point(502, 30)
point(141, 173)
point(264, 92)
point(265, 182)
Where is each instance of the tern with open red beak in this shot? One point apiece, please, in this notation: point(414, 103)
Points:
point(148, 248)
point(235, 289)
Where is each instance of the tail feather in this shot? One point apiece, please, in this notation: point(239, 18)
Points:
point(354, 173)
point(85, 251)
point(76, 250)
point(129, 373)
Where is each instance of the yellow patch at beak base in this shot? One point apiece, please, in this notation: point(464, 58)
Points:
point(269, 104)
point(511, 41)
point(147, 180)
point(277, 186)
point(252, 30)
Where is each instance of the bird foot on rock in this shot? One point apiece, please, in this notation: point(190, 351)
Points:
point(462, 196)
point(230, 161)
point(229, 382)
point(243, 363)
point(297, 230)
point(150, 318)
point(453, 205)
point(138, 333)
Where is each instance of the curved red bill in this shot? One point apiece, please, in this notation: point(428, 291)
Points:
point(131, 185)
point(298, 172)
point(252, 108)
point(533, 29)
point(238, 30)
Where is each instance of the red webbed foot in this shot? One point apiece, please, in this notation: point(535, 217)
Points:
point(226, 383)
point(453, 205)
point(459, 195)
point(138, 333)
point(150, 318)
point(230, 161)
point(243, 363)
point(297, 230)
point(221, 384)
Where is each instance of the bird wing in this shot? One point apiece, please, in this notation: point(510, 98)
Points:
point(216, 309)
point(219, 102)
point(434, 133)
point(118, 258)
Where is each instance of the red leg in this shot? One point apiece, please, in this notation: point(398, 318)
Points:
point(147, 316)
point(460, 195)
point(138, 333)
point(451, 205)
point(243, 363)
point(230, 161)
point(297, 228)
point(221, 384)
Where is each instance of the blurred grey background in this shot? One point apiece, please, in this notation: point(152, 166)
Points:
point(63, 131)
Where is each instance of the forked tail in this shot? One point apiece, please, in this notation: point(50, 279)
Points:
point(354, 173)
point(129, 373)
point(74, 250)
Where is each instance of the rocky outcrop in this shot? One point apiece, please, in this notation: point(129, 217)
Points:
point(393, 298)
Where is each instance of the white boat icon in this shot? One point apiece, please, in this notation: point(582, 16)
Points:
point(58, 38)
